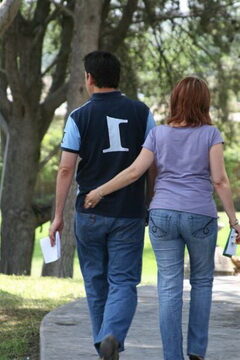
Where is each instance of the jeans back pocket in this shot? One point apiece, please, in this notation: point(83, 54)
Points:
point(159, 225)
point(202, 226)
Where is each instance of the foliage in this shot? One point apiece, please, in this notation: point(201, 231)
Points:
point(199, 43)
point(232, 164)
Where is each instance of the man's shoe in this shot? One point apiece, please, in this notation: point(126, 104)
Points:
point(195, 357)
point(109, 348)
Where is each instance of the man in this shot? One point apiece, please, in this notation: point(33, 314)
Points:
point(106, 133)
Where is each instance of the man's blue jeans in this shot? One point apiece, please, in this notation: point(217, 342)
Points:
point(110, 255)
point(170, 231)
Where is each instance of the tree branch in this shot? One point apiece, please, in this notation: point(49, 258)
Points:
point(50, 66)
point(52, 153)
point(63, 8)
point(5, 104)
point(11, 55)
point(105, 11)
point(41, 12)
point(8, 11)
point(42, 16)
point(5, 129)
point(63, 54)
point(150, 11)
point(48, 107)
point(119, 33)
point(42, 213)
point(57, 92)
point(197, 44)
point(165, 60)
point(154, 18)
point(55, 99)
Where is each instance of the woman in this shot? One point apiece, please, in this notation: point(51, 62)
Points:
point(188, 154)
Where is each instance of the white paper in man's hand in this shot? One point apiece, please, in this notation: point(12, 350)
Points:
point(51, 253)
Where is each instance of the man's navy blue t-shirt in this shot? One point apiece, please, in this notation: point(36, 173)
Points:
point(108, 132)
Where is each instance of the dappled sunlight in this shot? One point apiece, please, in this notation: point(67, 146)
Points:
point(24, 301)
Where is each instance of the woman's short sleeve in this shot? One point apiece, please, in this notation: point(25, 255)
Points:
point(150, 142)
point(216, 137)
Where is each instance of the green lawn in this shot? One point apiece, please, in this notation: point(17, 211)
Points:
point(25, 300)
point(23, 303)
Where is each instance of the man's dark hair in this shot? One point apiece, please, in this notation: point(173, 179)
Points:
point(104, 67)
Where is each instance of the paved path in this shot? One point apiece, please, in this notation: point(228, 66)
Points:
point(66, 335)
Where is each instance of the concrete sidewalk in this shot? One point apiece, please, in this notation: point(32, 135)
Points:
point(65, 332)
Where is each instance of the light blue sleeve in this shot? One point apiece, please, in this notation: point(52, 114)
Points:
point(71, 140)
point(150, 124)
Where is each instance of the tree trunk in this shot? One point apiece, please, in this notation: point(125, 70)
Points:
point(19, 220)
point(28, 119)
point(87, 15)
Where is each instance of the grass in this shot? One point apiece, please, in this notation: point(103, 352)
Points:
point(23, 303)
point(25, 300)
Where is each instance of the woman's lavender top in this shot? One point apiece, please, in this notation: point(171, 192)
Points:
point(183, 180)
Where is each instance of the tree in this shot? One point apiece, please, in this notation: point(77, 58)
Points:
point(28, 117)
point(8, 10)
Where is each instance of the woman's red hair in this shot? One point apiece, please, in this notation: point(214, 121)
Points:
point(190, 103)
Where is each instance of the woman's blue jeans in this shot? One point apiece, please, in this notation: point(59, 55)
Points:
point(170, 231)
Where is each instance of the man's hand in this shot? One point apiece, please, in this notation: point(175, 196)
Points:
point(64, 179)
point(57, 225)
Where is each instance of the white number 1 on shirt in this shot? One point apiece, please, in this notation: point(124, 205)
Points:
point(114, 135)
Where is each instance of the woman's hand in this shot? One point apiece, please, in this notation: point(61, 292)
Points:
point(92, 199)
point(237, 228)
